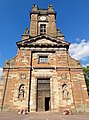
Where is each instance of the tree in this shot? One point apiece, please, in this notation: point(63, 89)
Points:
point(86, 73)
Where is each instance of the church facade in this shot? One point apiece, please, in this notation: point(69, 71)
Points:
point(43, 76)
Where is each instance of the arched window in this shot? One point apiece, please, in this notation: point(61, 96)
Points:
point(21, 92)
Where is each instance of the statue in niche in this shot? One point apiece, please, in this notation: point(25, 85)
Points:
point(26, 31)
point(65, 91)
point(21, 92)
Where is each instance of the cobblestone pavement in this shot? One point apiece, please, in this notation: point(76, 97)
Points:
point(42, 116)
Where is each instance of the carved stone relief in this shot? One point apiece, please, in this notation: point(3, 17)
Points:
point(23, 76)
point(64, 76)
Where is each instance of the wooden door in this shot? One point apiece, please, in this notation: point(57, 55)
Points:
point(43, 92)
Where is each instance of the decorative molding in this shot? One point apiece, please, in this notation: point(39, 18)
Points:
point(23, 76)
point(64, 76)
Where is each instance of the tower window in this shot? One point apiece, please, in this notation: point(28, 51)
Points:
point(43, 59)
point(43, 29)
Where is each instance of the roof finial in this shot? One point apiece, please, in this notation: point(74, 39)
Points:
point(34, 7)
point(59, 34)
point(50, 6)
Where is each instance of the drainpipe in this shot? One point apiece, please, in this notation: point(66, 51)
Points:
point(5, 86)
point(29, 94)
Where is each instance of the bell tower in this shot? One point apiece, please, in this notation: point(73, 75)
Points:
point(42, 21)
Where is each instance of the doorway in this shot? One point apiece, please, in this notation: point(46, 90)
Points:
point(47, 103)
point(43, 94)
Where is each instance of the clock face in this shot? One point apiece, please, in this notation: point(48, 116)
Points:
point(43, 18)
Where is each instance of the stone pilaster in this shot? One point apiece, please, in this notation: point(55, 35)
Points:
point(54, 93)
point(34, 25)
point(33, 94)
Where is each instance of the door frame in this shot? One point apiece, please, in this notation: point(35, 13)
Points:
point(44, 91)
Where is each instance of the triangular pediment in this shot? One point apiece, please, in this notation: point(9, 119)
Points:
point(42, 40)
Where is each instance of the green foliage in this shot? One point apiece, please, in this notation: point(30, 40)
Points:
point(86, 73)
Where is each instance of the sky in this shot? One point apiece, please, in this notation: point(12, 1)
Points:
point(72, 19)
